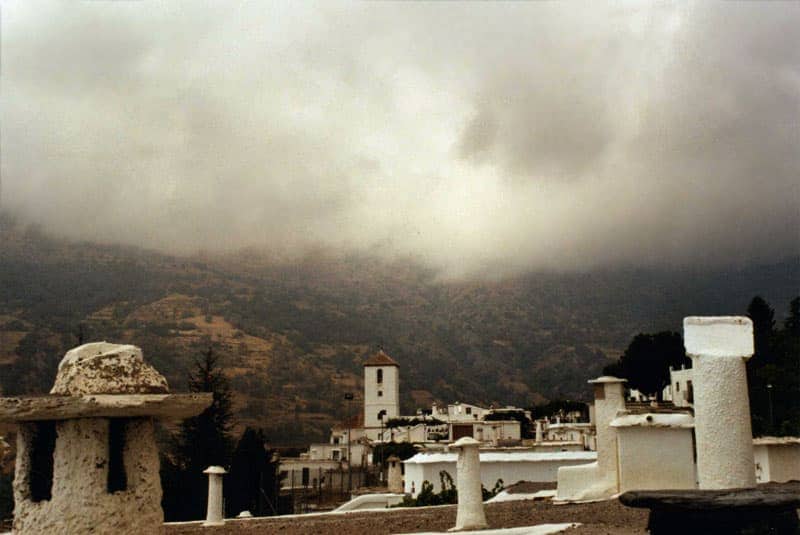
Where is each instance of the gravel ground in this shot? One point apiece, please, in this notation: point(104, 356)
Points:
point(598, 518)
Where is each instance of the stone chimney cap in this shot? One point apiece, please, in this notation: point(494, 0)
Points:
point(103, 380)
point(215, 470)
point(465, 441)
point(105, 368)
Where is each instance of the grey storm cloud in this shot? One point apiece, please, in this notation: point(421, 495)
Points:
point(476, 136)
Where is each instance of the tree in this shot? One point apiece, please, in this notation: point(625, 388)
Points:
point(6, 496)
point(203, 441)
point(761, 366)
point(792, 321)
point(253, 484)
point(773, 373)
point(646, 361)
point(562, 407)
point(763, 317)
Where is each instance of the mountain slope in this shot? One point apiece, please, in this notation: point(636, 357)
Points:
point(292, 335)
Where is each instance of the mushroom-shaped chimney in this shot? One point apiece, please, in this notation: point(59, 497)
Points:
point(87, 460)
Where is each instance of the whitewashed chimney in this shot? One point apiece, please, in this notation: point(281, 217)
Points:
point(87, 460)
point(395, 475)
point(719, 348)
point(214, 511)
point(470, 514)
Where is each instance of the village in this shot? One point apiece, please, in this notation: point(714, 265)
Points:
point(87, 458)
point(382, 268)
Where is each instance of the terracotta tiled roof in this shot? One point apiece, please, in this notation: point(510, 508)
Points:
point(380, 359)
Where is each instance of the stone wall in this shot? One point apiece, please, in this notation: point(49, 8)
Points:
point(80, 477)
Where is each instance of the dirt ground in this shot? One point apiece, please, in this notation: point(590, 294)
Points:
point(598, 518)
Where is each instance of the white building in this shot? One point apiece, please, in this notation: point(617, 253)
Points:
point(381, 393)
point(679, 390)
point(351, 441)
point(458, 412)
point(568, 432)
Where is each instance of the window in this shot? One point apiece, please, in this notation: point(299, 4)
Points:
point(335, 455)
point(306, 477)
point(117, 480)
point(42, 447)
point(469, 410)
point(380, 393)
point(380, 375)
point(677, 387)
point(335, 440)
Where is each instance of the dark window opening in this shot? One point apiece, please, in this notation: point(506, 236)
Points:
point(380, 375)
point(599, 392)
point(380, 393)
point(43, 447)
point(306, 475)
point(117, 479)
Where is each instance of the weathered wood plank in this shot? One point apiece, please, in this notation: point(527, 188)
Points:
point(779, 495)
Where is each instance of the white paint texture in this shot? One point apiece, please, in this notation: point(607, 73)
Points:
point(719, 348)
point(80, 502)
point(104, 368)
point(470, 514)
point(777, 459)
point(214, 513)
point(655, 458)
point(597, 480)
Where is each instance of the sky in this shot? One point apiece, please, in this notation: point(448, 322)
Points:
point(478, 137)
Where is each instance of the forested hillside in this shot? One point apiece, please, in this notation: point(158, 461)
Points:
point(292, 334)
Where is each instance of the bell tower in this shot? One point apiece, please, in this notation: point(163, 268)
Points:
point(381, 393)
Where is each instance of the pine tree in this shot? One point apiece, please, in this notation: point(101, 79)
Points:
point(792, 321)
point(646, 361)
point(253, 482)
point(203, 441)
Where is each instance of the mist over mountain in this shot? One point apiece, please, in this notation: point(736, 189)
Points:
point(292, 335)
point(480, 139)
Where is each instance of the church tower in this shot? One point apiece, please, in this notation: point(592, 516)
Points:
point(381, 393)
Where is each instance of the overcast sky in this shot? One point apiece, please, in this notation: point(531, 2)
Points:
point(477, 136)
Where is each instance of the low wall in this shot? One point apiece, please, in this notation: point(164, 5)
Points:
point(510, 467)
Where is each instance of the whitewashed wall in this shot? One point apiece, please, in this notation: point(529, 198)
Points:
point(655, 458)
point(777, 460)
point(510, 467)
